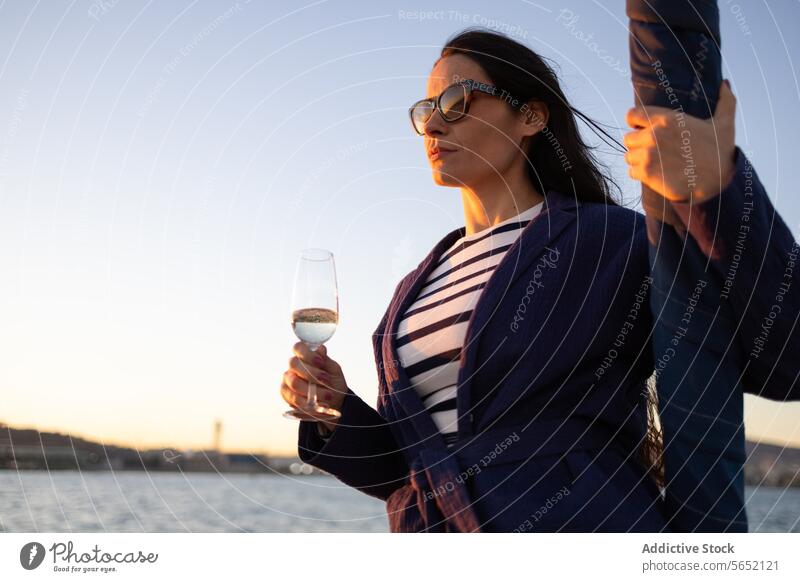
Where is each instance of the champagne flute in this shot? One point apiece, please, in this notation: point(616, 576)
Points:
point(315, 314)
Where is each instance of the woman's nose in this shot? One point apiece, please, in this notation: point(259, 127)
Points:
point(435, 125)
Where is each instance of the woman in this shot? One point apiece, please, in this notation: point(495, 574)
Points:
point(514, 360)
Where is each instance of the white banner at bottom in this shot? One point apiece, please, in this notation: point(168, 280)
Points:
point(389, 557)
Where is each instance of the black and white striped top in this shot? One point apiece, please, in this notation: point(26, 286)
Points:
point(431, 333)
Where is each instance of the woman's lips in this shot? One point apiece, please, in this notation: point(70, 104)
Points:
point(437, 154)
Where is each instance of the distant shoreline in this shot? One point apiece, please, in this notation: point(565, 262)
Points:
point(270, 474)
point(29, 449)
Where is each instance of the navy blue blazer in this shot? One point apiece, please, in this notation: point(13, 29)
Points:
point(551, 386)
point(551, 392)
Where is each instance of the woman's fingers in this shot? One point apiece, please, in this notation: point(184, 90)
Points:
point(638, 138)
point(291, 397)
point(639, 162)
point(308, 371)
point(668, 148)
point(299, 386)
point(315, 366)
point(315, 363)
point(648, 116)
point(305, 353)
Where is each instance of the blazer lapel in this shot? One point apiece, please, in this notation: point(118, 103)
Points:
point(530, 244)
point(397, 382)
point(556, 215)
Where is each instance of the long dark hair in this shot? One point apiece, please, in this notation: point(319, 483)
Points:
point(558, 157)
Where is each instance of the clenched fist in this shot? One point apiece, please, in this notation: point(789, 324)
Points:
point(679, 156)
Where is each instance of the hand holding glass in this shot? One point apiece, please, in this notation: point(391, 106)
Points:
point(315, 315)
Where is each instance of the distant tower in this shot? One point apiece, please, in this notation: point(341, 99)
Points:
point(217, 434)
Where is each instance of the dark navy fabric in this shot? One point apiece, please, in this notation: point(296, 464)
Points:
point(725, 279)
point(539, 372)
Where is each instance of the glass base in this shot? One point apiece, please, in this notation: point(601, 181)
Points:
point(315, 414)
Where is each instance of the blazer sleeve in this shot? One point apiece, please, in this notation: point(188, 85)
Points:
point(755, 255)
point(361, 451)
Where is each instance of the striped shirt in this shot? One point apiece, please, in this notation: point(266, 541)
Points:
point(431, 333)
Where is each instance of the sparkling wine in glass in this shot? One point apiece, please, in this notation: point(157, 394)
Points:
point(315, 315)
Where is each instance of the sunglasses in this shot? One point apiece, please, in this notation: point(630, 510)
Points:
point(453, 102)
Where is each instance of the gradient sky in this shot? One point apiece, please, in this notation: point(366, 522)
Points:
point(162, 164)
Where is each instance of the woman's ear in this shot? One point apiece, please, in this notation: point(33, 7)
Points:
point(535, 115)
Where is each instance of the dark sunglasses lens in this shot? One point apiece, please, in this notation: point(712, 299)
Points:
point(454, 102)
point(420, 114)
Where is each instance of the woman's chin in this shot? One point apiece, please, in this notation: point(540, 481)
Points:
point(442, 178)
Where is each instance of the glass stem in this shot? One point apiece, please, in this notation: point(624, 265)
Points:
point(312, 387)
